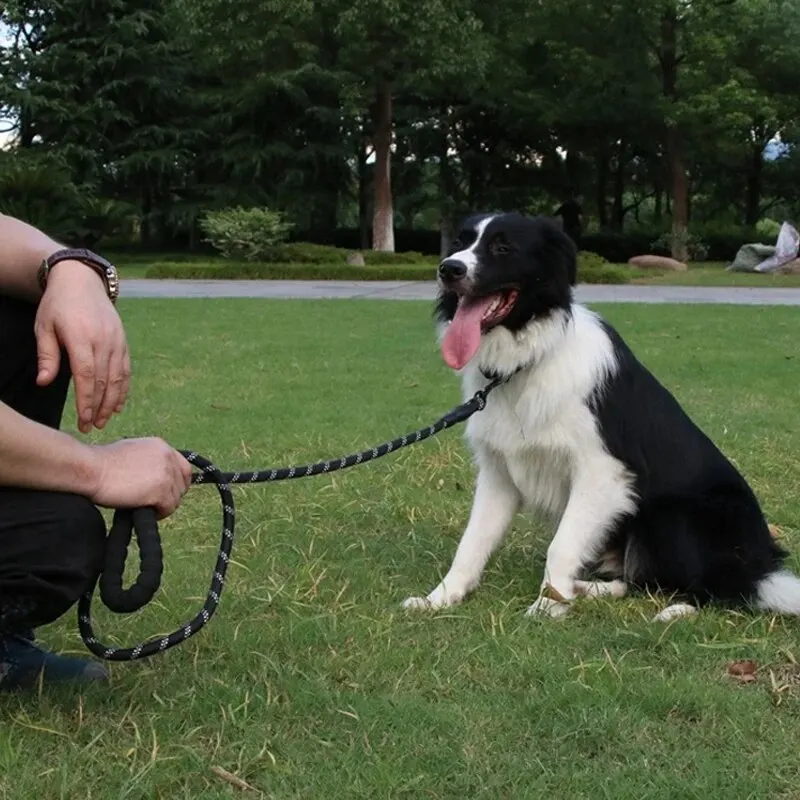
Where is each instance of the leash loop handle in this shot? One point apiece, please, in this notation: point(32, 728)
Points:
point(142, 522)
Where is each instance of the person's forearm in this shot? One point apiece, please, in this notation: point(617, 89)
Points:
point(33, 456)
point(22, 249)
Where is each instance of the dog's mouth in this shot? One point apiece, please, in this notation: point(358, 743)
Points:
point(474, 317)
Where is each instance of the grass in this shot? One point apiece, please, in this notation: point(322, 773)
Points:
point(311, 682)
point(714, 274)
point(186, 267)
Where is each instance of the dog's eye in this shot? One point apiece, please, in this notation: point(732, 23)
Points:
point(500, 248)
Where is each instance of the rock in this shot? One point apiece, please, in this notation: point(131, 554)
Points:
point(792, 268)
point(355, 259)
point(657, 262)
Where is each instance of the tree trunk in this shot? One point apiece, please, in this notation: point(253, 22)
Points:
point(363, 198)
point(619, 188)
point(602, 187)
point(383, 213)
point(573, 169)
point(658, 189)
point(446, 187)
point(146, 222)
point(679, 182)
point(752, 210)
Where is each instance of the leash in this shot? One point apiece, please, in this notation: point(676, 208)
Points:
point(142, 522)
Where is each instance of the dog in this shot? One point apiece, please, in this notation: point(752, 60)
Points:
point(579, 429)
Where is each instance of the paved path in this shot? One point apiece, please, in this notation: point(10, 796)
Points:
point(425, 290)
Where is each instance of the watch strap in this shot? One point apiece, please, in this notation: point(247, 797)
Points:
point(104, 268)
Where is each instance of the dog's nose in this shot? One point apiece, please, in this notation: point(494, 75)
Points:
point(451, 270)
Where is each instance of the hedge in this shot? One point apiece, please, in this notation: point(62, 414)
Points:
point(591, 269)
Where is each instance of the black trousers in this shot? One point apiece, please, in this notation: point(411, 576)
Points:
point(51, 543)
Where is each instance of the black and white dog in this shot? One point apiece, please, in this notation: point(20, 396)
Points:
point(583, 431)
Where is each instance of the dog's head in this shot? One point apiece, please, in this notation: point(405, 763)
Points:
point(503, 271)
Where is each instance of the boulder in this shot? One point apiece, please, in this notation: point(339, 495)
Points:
point(657, 262)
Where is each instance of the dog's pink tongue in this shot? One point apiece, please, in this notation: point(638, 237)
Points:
point(463, 336)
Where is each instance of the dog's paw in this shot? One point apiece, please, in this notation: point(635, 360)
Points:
point(547, 607)
point(440, 597)
point(417, 604)
point(675, 611)
point(601, 588)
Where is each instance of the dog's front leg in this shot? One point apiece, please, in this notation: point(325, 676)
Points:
point(495, 503)
point(593, 507)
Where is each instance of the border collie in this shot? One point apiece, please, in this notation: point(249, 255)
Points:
point(581, 430)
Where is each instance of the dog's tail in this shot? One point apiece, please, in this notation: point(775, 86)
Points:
point(779, 591)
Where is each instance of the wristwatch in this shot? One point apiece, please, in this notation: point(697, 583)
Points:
point(105, 269)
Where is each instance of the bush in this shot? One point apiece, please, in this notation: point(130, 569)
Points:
point(296, 272)
point(593, 268)
point(768, 229)
point(245, 233)
point(311, 253)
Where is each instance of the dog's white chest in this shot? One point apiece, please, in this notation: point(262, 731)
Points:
point(536, 452)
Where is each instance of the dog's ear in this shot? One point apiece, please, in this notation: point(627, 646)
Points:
point(560, 249)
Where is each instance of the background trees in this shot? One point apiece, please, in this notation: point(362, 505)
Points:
point(375, 124)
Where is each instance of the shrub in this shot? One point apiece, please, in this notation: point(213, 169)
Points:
point(310, 253)
point(593, 268)
point(245, 233)
point(768, 229)
point(298, 272)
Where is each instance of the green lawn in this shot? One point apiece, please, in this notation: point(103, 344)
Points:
point(311, 682)
point(714, 274)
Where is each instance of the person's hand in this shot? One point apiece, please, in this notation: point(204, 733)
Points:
point(139, 473)
point(75, 314)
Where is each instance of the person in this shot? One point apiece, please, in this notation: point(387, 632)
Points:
point(571, 214)
point(59, 323)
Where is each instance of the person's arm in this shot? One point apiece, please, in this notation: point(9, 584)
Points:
point(33, 456)
point(75, 313)
point(22, 250)
point(132, 473)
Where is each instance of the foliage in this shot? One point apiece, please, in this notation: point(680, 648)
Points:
point(38, 188)
point(245, 233)
point(593, 268)
point(768, 229)
point(176, 108)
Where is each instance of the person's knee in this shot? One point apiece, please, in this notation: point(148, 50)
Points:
point(82, 534)
point(72, 555)
point(56, 557)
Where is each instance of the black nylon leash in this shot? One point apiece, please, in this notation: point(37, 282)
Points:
point(142, 522)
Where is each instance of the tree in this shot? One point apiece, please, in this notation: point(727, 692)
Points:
point(389, 46)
